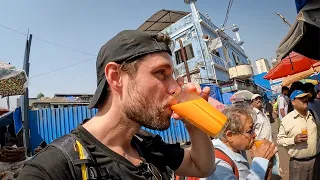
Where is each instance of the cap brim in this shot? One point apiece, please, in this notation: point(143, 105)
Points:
point(255, 97)
point(303, 95)
point(100, 91)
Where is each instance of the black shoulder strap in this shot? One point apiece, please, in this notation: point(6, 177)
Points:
point(66, 144)
point(312, 113)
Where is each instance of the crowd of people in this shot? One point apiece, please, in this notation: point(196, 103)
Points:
point(134, 86)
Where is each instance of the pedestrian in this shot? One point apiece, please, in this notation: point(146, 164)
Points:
point(299, 134)
point(134, 88)
point(230, 148)
point(283, 102)
point(263, 130)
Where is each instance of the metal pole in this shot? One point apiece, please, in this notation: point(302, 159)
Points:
point(25, 107)
point(283, 19)
point(184, 59)
point(8, 103)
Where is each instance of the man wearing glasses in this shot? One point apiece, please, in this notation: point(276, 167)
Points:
point(233, 143)
point(299, 134)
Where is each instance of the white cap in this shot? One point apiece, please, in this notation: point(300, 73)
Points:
point(255, 96)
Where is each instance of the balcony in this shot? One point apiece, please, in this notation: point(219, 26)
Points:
point(217, 61)
point(243, 71)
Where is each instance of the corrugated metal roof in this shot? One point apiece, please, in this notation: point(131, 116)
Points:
point(162, 19)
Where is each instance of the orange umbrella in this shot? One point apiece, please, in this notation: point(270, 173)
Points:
point(292, 64)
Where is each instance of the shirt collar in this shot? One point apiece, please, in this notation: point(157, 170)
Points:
point(296, 114)
point(233, 155)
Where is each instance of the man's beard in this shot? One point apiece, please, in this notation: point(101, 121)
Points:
point(143, 109)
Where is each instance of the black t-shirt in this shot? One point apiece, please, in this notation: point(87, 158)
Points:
point(160, 158)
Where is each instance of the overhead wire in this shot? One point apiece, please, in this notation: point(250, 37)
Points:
point(55, 44)
point(61, 68)
point(227, 13)
point(46, 41)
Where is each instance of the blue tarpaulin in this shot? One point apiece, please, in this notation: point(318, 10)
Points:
point(300, 4)
point(6, 119)
point(214, 91)
point(17, 118)
point(226, 98)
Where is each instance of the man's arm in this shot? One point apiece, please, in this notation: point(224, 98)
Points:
point(258, 168)
point(199, 159)
point(281, 106)
point(282, 137)
point(49, 164)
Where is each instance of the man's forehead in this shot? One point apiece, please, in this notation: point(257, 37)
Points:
point(157, 60)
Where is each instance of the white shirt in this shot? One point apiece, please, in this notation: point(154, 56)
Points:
point(283, 104)
point(262, 125)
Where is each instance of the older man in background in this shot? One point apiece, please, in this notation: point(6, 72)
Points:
point(299, 134)
point(231, 160)
point(263, 130)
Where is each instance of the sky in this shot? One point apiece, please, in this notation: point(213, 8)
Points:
point(86, 25)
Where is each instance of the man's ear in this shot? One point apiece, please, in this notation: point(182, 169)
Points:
point(113, 76)
point(229, 136)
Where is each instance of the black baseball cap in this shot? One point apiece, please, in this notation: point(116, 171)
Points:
point(125, 46)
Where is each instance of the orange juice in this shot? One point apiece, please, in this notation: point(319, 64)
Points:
point(202, 115)
point(304, 131)
point(257, 143)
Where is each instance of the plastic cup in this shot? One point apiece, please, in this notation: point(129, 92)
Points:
point(257, 143)
point(304, 130)
point(199, 112)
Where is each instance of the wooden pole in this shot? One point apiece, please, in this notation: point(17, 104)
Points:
point(184, 59)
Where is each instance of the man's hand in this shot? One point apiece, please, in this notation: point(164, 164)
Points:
point(266, 150)
point(300, 138)
point(191, 87)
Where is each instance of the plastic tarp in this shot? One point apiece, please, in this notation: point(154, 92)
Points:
point(6, 119)
point(214, 91)
point(13, 81)
point(303, 36)
point(290, 65)
point(17, 118)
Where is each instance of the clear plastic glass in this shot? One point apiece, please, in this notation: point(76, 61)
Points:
point(199, 112)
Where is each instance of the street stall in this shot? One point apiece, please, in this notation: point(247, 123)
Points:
point(13, 81)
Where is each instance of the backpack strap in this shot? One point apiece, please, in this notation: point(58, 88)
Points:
point(80, 160)
point(66, 145)
point(223, 156)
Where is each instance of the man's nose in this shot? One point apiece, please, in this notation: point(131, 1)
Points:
point(175, 86)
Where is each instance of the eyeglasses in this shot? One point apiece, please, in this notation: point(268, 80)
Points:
point(251, 131)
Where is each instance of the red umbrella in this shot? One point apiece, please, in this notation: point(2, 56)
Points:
point(292, 64)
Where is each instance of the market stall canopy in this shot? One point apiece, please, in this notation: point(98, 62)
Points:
point(304, 34)
point(301, 75)
point(13, 81)
point(292, 64)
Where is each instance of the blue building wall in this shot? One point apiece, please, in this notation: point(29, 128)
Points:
point(202, 62)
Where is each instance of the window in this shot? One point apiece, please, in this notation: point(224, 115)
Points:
point(236, 58)
point(189, 51)
point(55, 106)
point(216, 52)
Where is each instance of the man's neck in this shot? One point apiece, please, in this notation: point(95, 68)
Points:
point(228, 144)
point(303, 113)
point(113, 129)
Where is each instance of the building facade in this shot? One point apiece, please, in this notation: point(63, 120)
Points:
point(212, 55)
point(262, 65)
